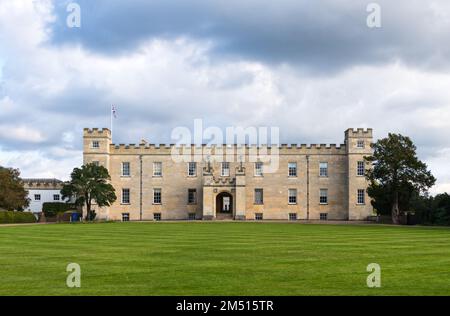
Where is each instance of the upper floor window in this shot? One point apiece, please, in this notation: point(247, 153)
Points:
point(157, 169)
point(125, 196)
point(96, 163)
point(292, 196)
point(157, 196)
point(360, 143)
point(55, 197)
point(37, 197)
point(360, 168)
point(361, 196)
point(292, 169)
point(192, 169)
point(259, 196)
point(258, 168)
point(192, 196)
point(125, 169)
point(323, 169)
point(225, 169)
point(95, 144)
point(323, 198)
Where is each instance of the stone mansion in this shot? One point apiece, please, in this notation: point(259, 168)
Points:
point(311, 182)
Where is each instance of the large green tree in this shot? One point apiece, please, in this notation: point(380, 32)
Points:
point(88, 185)
point(13, 196)
point(397, 173)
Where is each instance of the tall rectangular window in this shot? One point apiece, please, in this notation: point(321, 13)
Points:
point(259, 196)
point(360, 143)
point(192, 196)
point(125, 196)
point(225, 169)
point(292, 169)
point(157, 169)
point(360, 168)
point(95, 144)
point(323, 169)
point(361, 196)
point(323, 199)
point(192, 169)
point(258, 168)
point(125, 169)
point(292, 196)
point(157, 198)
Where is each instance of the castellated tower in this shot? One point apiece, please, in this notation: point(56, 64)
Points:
point(96, 146)
point(358, 145)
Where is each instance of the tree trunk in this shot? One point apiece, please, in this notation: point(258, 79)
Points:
point(395, 210)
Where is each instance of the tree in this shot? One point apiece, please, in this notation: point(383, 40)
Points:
point(397, 172)
point(90, 183)
point(13, 195)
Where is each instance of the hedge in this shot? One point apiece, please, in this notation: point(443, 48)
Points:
point(9, 217)
point(51, 209)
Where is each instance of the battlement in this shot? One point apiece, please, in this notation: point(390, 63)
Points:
point(359, 132)
point(97, 132)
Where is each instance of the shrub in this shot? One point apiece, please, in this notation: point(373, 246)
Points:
point(51, 209)
point(9, 217)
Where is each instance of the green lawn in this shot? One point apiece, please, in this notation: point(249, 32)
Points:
point(210, 258)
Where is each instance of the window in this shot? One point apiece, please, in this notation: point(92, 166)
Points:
point(259, 199)
point(258, 168)
point(360, 143)
point(323, 199)
point(192, 216)
point(192, 196)
point(125, 217)
point(125, 169)
point(225, 169)
point(96, 163)
point(125, 196)
point(95, 144)
point(37, 197)
point(360, 168)
point(192, 169)
point(157, 169)
point(360, 196)
point(157, 196)
point(323, 169)
point(259, 216)
point(323, 216)
point(292, 169)
point(156, 216)
point(292, 196)
point(292, 216)
point(55, 197)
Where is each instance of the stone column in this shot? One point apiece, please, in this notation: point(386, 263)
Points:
point(240, 193)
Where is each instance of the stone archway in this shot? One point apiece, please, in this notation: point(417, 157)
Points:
point(224, 204)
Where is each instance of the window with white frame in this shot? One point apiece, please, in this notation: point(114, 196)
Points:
point(37, 197)
point(259, 216)
point(192, 169)
point(125, 217)
point(360, 169)
point(125, 196)
point(292, 216)
point(292, 169)
point(157, 169)
point(323, 216)
point(361, 196)
point(258, 168)
point(323, 169)
point(56, 197)
point(259, 196)
point(125, 169)
point(225, 169)
point(95, 144)
point(360, 143)
point(157, 198)
point(323, 198)
point(292, 196)
point(156, 216)
point(192, 196)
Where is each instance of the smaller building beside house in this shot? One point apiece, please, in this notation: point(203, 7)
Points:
point(41, 191)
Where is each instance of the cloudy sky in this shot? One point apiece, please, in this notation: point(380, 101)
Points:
point(312, 68)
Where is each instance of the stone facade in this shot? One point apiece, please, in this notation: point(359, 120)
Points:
point(244, 194)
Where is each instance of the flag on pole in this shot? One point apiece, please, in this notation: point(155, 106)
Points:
point(114, 111)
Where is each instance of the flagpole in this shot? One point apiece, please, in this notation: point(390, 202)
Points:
point(111, 117)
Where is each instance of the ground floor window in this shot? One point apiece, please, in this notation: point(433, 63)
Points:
point(259, 196)
point(323, 199)
point(323, 216)
point(258, 216)
point(157, 196)
point(292, 196)
point(192, 216)
point(292, 216)
point(125, 217)
point(37, 197)
point(157, 216)
point(192, 196)
point(360, 196)
point(55, 197)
